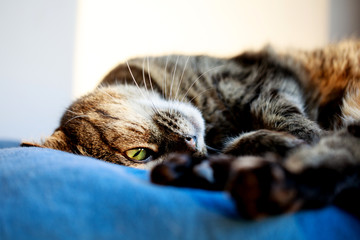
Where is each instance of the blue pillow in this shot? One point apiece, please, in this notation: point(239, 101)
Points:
point(48, 194)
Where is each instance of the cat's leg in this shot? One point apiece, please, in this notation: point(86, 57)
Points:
point(261, 142)
point(283, 111)
point(311, 177)
point(280, 124)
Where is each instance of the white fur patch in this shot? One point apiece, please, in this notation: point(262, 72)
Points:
point(351, 107)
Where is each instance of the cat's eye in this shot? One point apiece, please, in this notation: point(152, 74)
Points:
point(138, 154)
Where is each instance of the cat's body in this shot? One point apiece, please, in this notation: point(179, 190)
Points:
point(254, 104)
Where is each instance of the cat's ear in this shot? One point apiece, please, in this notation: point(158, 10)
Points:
point(57, 140)
point(30, 144)
point(128, 74)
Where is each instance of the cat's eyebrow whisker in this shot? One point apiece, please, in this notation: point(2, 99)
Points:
point(197, 79)
point(100, 85)
point(137, 85)
point(202, 92)
point(145, 85)
point(143, 74)
point(152, 89)
point(106, 93)
point(148, 65)
point(67, 110)
point(181, 77)
point(79, 116)
point(177, 103)
point(144, 80)
point(173, 76)
point(167, 60)
point(133, 78)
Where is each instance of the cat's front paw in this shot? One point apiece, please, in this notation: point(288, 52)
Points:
point(260, 187)
point(261, 142)
point(182, 170)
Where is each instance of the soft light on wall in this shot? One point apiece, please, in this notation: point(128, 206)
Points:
point(54, 51)
point(111, 31)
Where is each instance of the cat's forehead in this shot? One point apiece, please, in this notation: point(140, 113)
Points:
point(123, 105)
point(149, 104)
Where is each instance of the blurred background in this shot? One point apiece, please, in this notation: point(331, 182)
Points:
point(54, 51)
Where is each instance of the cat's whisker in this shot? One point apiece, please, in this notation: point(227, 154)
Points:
point(100, 85)
point(173, 76)
point(133, 78)
point(197, 79)
point(202, 92)
point(212, 150)
point(101, 89)
point(181, 77)
point(152, 89)
point(165, 70)
point(148, 65)
point(146, 89)
point(117, 81)
point(143, 74)
point(175, 104)
point(67, 110)
point(145, 85)
point(137, 85)
point(79, 116)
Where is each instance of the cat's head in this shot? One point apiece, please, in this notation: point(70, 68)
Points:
point(129, 126)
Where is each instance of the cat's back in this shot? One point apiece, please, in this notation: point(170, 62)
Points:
point(333, 79)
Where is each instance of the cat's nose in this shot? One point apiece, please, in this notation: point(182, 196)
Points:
point(191, 142)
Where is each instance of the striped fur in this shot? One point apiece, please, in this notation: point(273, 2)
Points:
point(303, 107)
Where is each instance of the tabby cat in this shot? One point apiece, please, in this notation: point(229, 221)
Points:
point(280, 131)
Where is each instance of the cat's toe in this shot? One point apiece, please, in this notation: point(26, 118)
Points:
point(261, 187)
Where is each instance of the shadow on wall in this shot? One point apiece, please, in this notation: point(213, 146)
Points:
point(344, 19)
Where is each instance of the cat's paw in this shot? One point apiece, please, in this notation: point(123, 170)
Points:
point(261, 142)
point(182, 170)
point(260, 187)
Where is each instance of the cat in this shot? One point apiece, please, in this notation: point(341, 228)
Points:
point(277, 130)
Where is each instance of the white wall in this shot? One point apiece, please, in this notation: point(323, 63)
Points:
point(51, 51)
point(36, 65)
point(111, 31)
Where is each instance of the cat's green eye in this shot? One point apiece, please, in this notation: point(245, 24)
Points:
point(138, 154)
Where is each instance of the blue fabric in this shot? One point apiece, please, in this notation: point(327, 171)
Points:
point(9, 143)
point(48, 194)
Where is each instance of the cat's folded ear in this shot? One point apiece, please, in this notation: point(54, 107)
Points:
point(30, 144)
point(124, 73)
point(57, 140)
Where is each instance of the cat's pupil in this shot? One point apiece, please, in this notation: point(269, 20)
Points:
point(137, 153)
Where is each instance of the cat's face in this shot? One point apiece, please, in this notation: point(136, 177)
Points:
point(129, 126)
